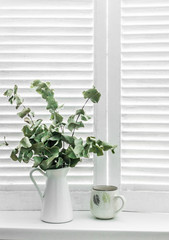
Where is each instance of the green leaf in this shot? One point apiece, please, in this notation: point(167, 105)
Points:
point(106, 146)
point(8, 93)
point(26, 155)
point(38, 147)
point(92, 94)
point(44, 165)
point(96, 149)
point(52, 104)
point(24, 112)
point(38, 137)
point(46, 136)
point(90, 140)
point(27, 120)
point(56, 136)
point(25, 142)
point(71, 119)
point(78, 147)
point(54, 150)
point(86, 150)
point(27, 131)
point(68, 139)
point(80, 111)
point(37, 161)
point(35, 83)
point(112, 150)
point(36, 124)
point(85, 117)
point(55, 154)
point(75, 125)
point(56, 117)
point(11, 99)
point(15, 89)
point(14, 154)
point(70, 153)
point(19, 101)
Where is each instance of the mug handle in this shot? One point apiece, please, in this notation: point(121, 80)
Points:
point(34, 182)
point(123, 202)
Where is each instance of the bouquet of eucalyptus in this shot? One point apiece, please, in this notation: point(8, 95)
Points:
point(48, 146)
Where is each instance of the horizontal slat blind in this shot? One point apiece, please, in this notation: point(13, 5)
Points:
point(50, 40)
point(145, 95)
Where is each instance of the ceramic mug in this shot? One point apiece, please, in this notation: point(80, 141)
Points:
point(104, 202)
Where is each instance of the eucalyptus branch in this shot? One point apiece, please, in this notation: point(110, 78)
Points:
point(79, 115)
point(47, 146)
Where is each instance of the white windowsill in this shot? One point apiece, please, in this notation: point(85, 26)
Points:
point(26, 225)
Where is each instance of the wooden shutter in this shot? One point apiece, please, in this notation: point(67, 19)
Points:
point(145, 95)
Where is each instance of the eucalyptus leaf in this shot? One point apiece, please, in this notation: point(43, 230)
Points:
point(11, 99)
point(15, 89)
point(37, 161)
point(25, 142)
point(68, 139)
point(14, 154)
point(70, 153)
point(80, 111)
point(86, 150)
point(56, 136)
point(92, 94)
point(38, 148)
point(8, 93)
point(24, 112)
point(75, 125)
point(27, 131)
point(52, 104)
point(19, 101)
point(27, 120)
point(56, 117)
point(35, 83)
point(45, 137)
point(85, 117)
point(96, 149)
point(50, 159)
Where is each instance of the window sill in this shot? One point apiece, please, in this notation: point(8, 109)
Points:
point(26, 225)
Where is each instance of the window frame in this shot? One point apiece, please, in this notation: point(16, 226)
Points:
point(107, 67)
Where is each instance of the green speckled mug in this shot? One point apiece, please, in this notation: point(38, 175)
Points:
point(104, 202)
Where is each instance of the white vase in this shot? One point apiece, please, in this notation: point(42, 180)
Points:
point(56, 201)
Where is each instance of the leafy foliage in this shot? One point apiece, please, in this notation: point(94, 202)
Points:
point(48, 146)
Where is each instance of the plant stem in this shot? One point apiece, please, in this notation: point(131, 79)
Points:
point(79, 116)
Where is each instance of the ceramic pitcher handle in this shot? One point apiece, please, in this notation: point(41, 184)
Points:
point(122, 201)
point(34, 182)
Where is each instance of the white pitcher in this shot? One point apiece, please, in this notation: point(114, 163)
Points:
point(56, 201)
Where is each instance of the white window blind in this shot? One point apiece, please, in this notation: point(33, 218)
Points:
point(50, 40)
point(145, 95)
